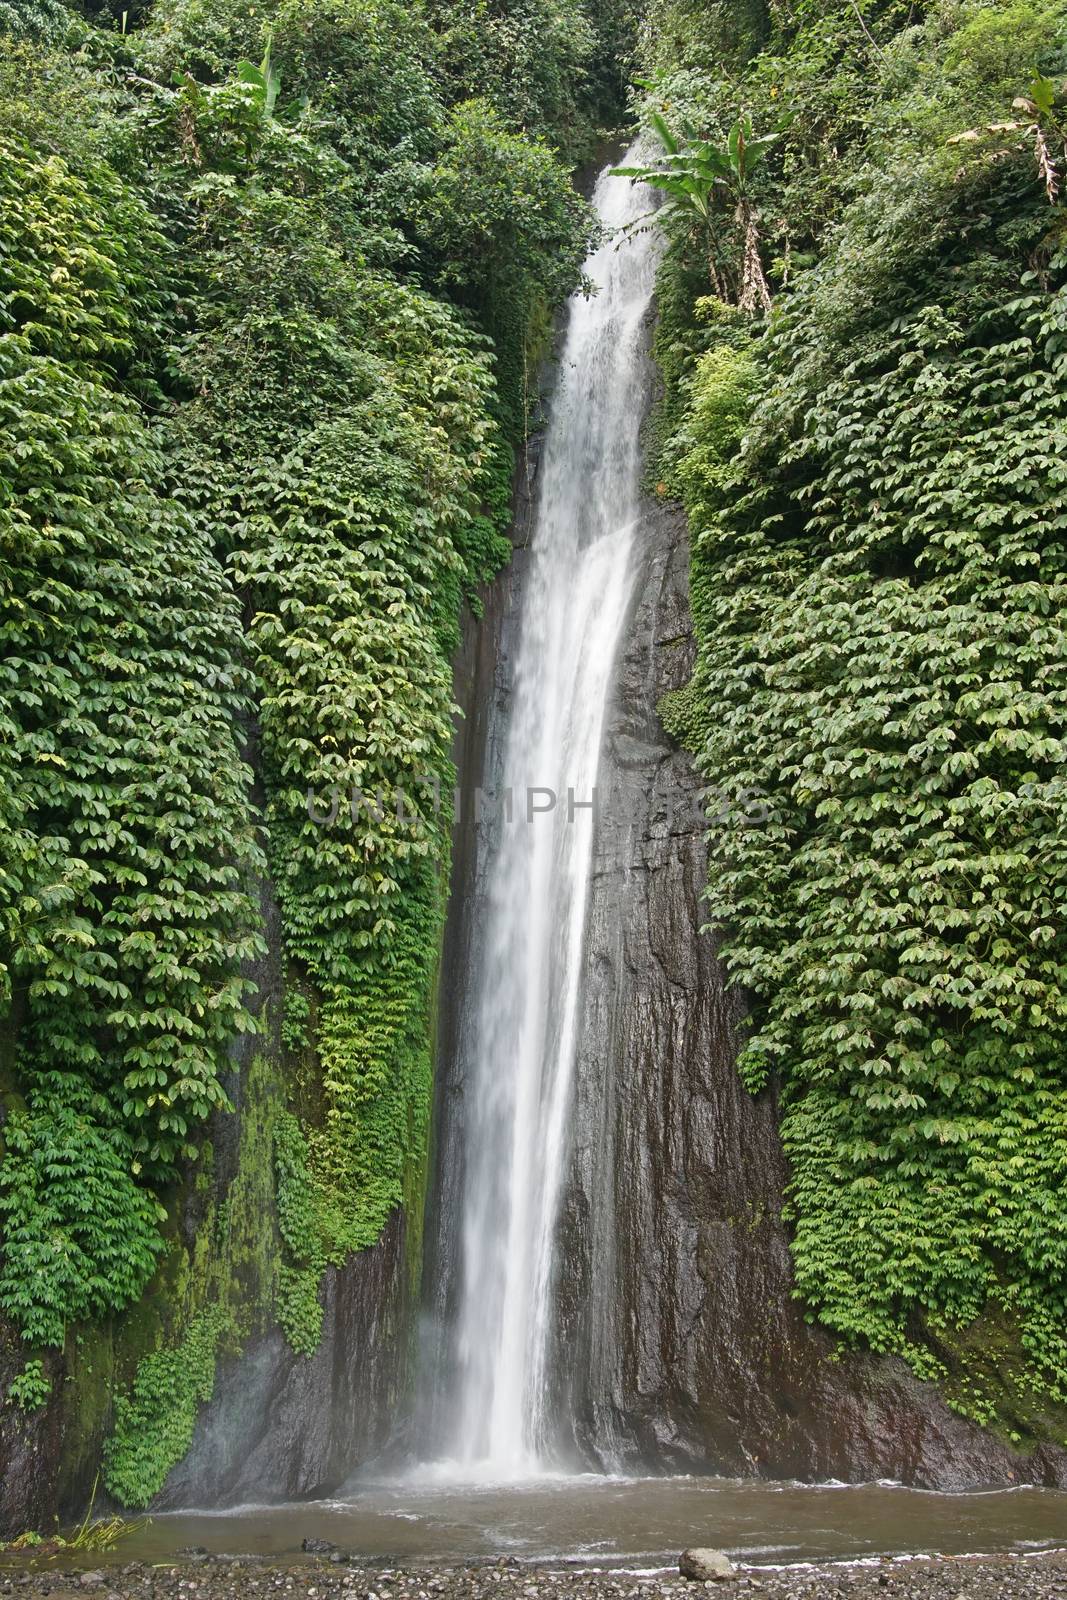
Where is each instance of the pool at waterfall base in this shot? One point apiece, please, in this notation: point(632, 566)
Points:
point(615, 1521)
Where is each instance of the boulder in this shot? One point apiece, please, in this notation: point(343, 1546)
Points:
point(705, 1566)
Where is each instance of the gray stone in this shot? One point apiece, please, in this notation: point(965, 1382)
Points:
point(705, 1566)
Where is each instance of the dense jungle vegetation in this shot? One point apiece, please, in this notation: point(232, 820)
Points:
point(272, 276)
point(864, 341)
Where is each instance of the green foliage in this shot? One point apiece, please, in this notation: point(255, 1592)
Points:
point(356, 560)
point(499, 228)
point(216, 1286)
point(92, 1533)
point(33, 19)
point(615, 25)
point(690, 173)
point(844, 86)
point(264, 81)
point(702, 455)
point(703, 41)
point(205, 37)
point(306, 1231)
point(698, 177)
point(295, 1018)
point(81, 1236)
point(154, 1422)
point(31, 1388)
point(123, 847)
point(879, 578)
point(529, 58)
point(123, 829)
point(496, 215)
point(995, 50)
point(257, 344)
point(367, 66)
point(80, 262)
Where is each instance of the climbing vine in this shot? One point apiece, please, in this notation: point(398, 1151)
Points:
point(879, 579)
point(125, 839)
point(154, 1421)
point(265, 287)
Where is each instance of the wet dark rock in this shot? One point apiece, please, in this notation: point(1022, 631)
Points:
point(319, 1547)
point(705, 1566)
point(31, 1446)
point(286, 1426)
point(679, 1341)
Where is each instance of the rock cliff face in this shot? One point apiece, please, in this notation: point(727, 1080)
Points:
point(680, 1342)
point(679, 1345)
point(283, 1426)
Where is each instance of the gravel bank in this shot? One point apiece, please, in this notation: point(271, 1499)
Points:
point(1033, 1577)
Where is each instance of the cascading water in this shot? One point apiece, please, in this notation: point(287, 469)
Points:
point(524, 990)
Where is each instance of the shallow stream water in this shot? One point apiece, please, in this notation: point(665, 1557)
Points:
point(630, 1522)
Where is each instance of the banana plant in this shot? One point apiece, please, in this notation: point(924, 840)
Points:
point(695, 174)
point(265, 81)
point(1042, 122)
point(228, 125)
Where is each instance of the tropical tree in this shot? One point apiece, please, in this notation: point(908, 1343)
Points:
point(699, 178)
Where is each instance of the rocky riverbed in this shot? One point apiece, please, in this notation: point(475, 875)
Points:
point(1011, 1577)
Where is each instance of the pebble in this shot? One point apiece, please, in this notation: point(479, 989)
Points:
point(1040, 1576)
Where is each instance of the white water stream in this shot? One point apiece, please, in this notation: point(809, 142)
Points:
point(526, 991)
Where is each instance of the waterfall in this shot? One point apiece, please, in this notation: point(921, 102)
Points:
point(524, 987)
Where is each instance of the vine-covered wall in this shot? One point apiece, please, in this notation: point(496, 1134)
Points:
point(271, 278)
point(872, 468)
